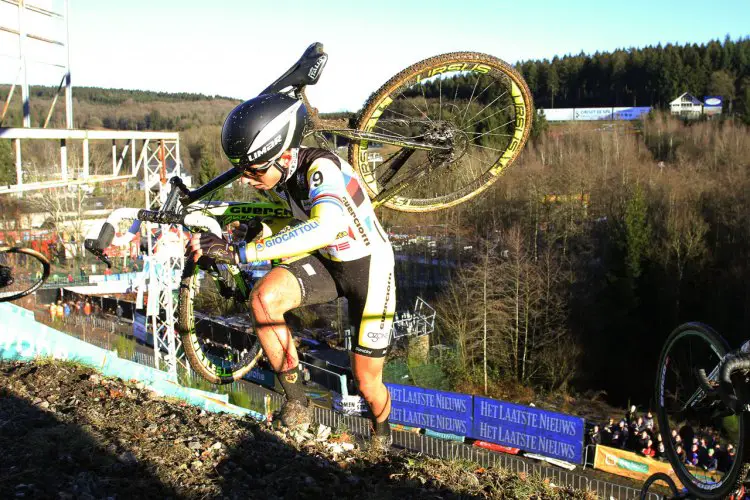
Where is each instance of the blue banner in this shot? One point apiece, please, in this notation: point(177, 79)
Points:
point(554, 435)
point(440, 411)
point(713, 101)
point(630, 113)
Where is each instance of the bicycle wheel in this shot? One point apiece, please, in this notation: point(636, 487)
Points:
point(22, 271)
point(686, 409)
point(210, 316)
point(475, 106)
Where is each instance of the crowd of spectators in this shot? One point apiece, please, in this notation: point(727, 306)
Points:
point(639, 434)
point(60, 310)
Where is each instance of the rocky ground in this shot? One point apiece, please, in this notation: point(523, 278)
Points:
point(68, 432)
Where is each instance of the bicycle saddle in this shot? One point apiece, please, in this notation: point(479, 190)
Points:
point(304, 72)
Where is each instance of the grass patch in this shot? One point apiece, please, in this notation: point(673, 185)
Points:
point(125, 347)
point(429, 375)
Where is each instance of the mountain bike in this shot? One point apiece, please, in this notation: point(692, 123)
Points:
point(220, 355)
point(702, 393)
point(461, 117)
point(435, 135)
point(22, 271)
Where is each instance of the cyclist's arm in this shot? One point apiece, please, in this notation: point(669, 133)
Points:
point(327, 219)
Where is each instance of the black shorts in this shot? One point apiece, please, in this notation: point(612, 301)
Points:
point(369, 286)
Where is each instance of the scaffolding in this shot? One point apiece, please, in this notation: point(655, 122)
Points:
point(419, 322)
point(153, 157)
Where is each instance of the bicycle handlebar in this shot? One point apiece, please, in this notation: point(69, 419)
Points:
point(106, 236)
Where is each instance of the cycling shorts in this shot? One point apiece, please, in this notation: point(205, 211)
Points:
point(369, 286)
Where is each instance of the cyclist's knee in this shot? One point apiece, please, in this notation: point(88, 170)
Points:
point(267, 302)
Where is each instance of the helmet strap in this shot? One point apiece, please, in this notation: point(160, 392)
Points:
point(286, 173)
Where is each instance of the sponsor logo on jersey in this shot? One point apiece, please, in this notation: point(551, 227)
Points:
point(361, 230)
point(339, 247)
point(375, 336)
point(264, 149)
point(387, 299)
point(291, 234)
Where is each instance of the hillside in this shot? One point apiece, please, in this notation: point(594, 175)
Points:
point(67, 432)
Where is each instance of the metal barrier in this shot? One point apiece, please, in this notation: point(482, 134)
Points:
point(589, 452)
point(331, 380)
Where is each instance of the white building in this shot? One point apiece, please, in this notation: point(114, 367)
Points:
point(687, 105)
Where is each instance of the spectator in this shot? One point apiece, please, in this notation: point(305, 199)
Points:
point(681, 454)
point(693, 458)
point(649, 421)
point(721, 457)
point(712, 463)
point(703, 452)
point(607, 432)
point(79, 306)
point(59, 311)
point(616, 441)
point(649, 449)
point(119, 320)
point(83, 273)
point(87, 310)
point(640, 426)
point(631, 416)
point(66, 309)
point(674, 436)
point(731, 452)
point(595, 436)
point(661, 452)
point(624, 435)
point(52, 312)
point(70, 278)
point(643, 440)
point(678, 441)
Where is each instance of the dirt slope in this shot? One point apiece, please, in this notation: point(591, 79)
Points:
point(67, 432)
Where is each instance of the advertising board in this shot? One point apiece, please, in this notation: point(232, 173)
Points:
point(547, 433)
point(440, 411)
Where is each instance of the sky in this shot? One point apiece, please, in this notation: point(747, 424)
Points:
point(236, 48)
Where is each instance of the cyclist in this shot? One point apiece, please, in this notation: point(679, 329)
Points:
point(338, 250)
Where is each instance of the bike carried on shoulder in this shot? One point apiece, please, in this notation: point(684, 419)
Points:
point(464, 116)
point(702, 393)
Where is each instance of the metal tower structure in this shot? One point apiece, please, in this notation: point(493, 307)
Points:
point(158, 156)
point(166, 263)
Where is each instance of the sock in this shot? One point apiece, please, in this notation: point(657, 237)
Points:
point(291, 381)
point(381, 428)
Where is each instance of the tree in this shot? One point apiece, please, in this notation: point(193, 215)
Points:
point(553, 83)
point(685, 240)
point(7, 167)
point(637, 231)
point(722, 84)
point(208, 169)
point(745, 93)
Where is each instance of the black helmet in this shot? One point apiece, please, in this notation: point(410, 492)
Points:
point(259, 130)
